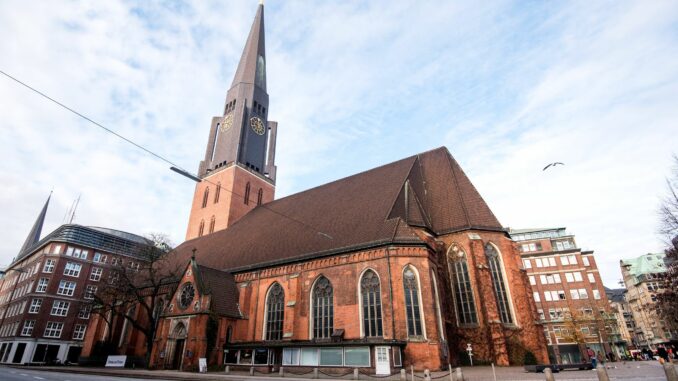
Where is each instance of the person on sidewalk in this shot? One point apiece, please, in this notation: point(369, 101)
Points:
point(592, 357)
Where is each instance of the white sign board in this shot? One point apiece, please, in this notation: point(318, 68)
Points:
point(116, 361)
point(202, 363)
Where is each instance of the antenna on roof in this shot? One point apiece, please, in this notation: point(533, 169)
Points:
point(75, 207)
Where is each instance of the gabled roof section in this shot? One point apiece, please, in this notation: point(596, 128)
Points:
point(254, 48)
point(378, 207)
point(34, 235)
point(220, 285)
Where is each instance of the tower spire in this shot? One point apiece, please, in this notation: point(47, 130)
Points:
point(34, 235)
point(252, 65)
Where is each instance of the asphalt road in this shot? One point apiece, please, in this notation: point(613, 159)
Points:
point(12, 374)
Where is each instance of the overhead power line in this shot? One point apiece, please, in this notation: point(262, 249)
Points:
point(174, 167)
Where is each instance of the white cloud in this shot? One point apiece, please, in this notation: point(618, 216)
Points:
point(353, 85)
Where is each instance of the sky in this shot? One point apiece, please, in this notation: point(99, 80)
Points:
point(507, 87)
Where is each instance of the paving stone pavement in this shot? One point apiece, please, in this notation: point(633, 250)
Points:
point(628, 371)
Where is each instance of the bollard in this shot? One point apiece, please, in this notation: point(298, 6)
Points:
point(602, 373)
point(427, 375)
point(315, 372)
point(412, 371)
point(549, 374)
point(670, 371)
point(403, 375)
point(449, 369)
point(355, 373)
point(494, 374)
point(251, 371)
point(227, 369)
point(282, 372)
point(459, 374)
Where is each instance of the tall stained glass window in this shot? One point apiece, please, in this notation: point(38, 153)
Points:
point(371, 302)
point(499, 284)
point(275, 312)
point(411, 287)
point(323, 308)
point(461, 283)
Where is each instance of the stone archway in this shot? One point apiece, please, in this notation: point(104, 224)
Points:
point(175, 347)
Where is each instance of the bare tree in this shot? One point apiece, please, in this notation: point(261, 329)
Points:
point(667, 296)
point(136, 288)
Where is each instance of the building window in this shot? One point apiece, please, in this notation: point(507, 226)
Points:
point(42, 285)
point(212, 222)
point(591, 277)
point(60, 308)
point(411, 287)
point(90, 291)
point(66, 288)
point(35, 306)
point(596, 294)
point(72, 269)
point(461, 283)
point(79, 332)
point(205, 196)
point(49, 266)
point(323, 308)
point(96, 274)
point(499, 284)
point(247, 194)
point(527, 263)
point(275, 312)
point(201, 228)
point(370, 292)
point(260, 195)
point(217, 193)
point(536, 296)
point(84, 312)
point(28, 328)
point(53, 329)
point(101, 258)
point(585, 260)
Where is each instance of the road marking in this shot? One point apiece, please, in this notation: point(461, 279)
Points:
point(23, 374)
point(38, 378)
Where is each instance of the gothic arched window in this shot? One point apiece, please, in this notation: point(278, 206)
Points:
point(498, 283)
point(370, 292)
point(411, 287)
point(205, 196)
point(461, 284)
point(201, 228)
point(323, 308)
point(229, 334)
point(260, 195)
point(247, 193)
point(275, 312)
point(212, 222)
point(217, 193)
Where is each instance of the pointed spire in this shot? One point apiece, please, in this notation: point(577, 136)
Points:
point(252, 65)
point(36, 231)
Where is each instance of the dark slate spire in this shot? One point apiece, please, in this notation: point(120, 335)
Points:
point(34, 235)
point(252, 65)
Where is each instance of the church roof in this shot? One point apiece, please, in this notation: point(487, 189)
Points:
point(36, 230)
point(221, 286)
point(378, 207)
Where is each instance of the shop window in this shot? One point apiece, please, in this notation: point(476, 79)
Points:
point(331, 357)
point(357, 356)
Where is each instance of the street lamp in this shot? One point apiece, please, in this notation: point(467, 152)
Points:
point(11, 295)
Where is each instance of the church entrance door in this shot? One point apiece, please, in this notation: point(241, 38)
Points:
point(178, 353)
point(383, 365)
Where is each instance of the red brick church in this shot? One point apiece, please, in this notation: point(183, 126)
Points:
point(404, 264)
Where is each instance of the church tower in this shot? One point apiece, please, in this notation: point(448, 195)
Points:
point(238, 172)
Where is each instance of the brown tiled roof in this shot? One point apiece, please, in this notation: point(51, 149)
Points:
point(376, 207)
point(221, 286)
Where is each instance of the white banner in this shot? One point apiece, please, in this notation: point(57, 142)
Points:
point(116, 361)
point(202, 362)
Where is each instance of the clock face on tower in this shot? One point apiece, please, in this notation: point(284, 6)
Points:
point(226, 123)
point(257, 125)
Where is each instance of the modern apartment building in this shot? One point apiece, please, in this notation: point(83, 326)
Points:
point(44, 311)
point(643, 277)
point(569, 294)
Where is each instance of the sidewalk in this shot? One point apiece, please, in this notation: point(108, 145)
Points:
point(642, 371)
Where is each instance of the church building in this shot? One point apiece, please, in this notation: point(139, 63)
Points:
point(400, 265)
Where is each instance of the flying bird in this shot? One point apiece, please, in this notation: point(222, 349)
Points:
point(553, 165)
